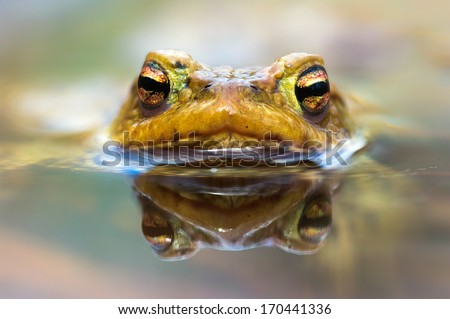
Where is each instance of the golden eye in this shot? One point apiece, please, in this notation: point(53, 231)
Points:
point(153, 86)
point(312, 90)
point(158, 231)
point(315, 222)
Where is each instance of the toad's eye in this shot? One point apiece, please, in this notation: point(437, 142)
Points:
point(315, 221)
point(153, 86)
point(312, 90)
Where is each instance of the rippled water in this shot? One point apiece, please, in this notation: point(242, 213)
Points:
point(378, 229)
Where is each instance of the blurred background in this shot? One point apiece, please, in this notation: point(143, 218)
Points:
point(66, 67)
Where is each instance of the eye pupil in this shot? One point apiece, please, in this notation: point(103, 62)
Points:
point(318, 88)
point(153, 86)
point(313, 90)
point(150, 85)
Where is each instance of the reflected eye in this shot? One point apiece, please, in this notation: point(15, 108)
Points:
point(158, 231)
point(313, 90)
point(315, 222)
point(153, 86)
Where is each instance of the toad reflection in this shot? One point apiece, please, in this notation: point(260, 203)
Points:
point(183, 213)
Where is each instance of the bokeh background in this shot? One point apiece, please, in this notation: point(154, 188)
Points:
point(66, 66)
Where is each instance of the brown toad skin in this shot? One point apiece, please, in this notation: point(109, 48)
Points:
point(230, 106)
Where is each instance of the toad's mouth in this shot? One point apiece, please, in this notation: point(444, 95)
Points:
point(245, 132)
point(227, 126)
point(225, 149)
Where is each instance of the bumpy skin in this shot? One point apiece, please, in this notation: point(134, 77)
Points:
point(230, 106)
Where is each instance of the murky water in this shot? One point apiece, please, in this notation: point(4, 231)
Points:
point(379, 229)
